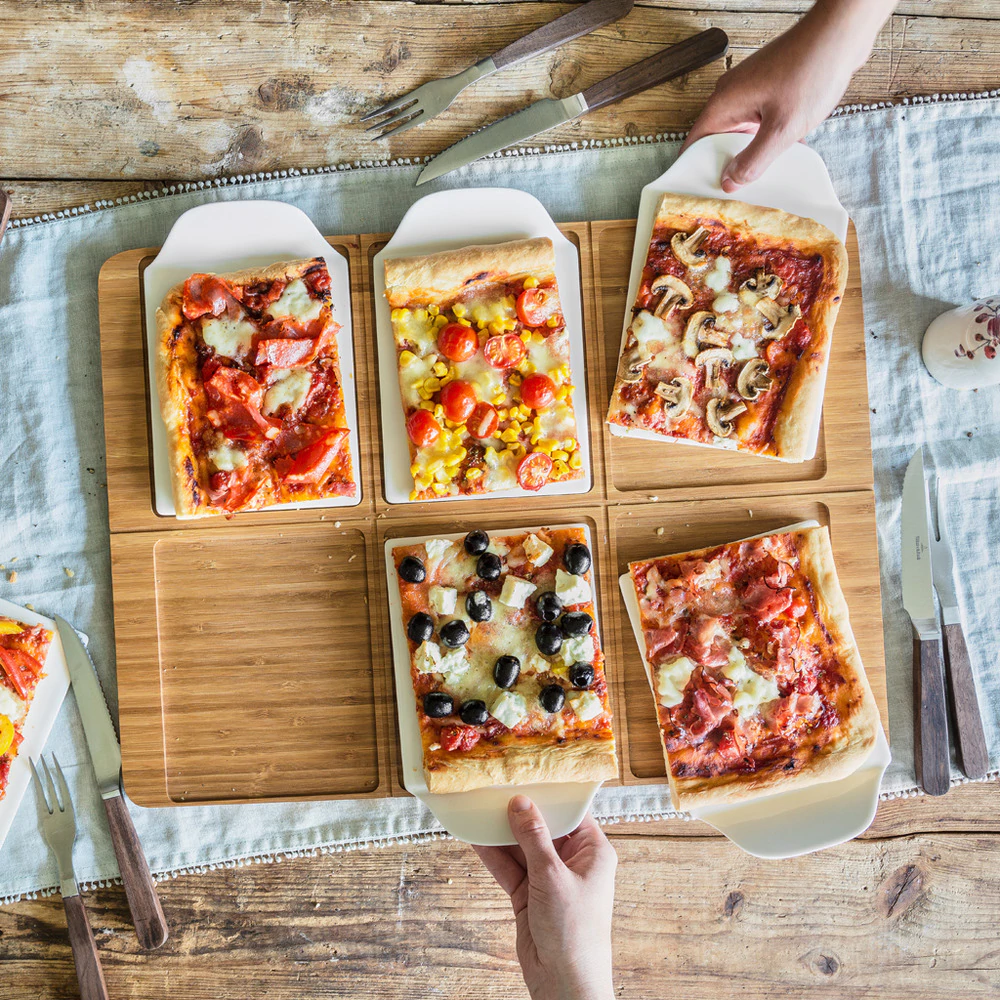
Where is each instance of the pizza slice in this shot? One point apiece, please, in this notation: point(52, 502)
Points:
point(506, 659)
point(730, 333)
point(757, 679)
point(251, 390)
point(23, 649)
point(484, 369)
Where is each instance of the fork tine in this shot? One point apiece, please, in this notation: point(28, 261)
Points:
point(390, 106)
point(398, 116)
point(67, 801)
point(417, 119)
point(40, 785)
point(51, 786)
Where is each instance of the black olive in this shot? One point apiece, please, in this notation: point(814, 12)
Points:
point(576, 623)
point(437, 704)
point(548, 606)
point(548, 638)
point(552, 698)
point(455, 633)
point(474, 713)
point(476, 542)
point(420, 627)
point(581, 674)
point(505, 671)
point(411, 569)
point(489, 566)
point(577, 558)
point(478, 606)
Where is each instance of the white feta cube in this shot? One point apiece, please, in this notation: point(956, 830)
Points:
point(509, 708)
point(585, 704)
point(516, 591)
point(537, 551)
point(571, 589)
point(427, 658)
point(436, 547)
point(578, 648)
point(671, 679)
point(442, 599)
point(536, 663)
point(454, 664)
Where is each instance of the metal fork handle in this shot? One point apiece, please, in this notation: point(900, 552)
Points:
point(85, 958)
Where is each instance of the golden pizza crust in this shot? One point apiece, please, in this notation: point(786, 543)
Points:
point(432, 278)
point(586, 758)
point(177, 384)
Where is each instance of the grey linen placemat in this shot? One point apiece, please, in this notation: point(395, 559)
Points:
point(922, 183)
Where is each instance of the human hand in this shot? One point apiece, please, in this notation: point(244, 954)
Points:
point(791, 84)
point(562, 892)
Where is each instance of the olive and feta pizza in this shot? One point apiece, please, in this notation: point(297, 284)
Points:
point(731, 327)
point(484, 369)
point(757, 679)
point(23, 649)
point(251, 390)
point(506, 659)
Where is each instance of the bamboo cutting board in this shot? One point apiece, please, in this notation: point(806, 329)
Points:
point(253, 653)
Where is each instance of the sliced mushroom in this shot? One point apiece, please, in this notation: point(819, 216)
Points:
point(687, 247)
point(777, 320)
point(754, 379)
point(713, 361)
point(678, 393)
point(761, 286)
point(676, 295)
point(697, 325)
point(632, 366)
point(720, 414)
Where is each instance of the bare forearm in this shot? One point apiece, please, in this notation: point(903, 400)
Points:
point(851, 25)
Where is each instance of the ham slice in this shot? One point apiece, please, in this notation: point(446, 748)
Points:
point(235, 398)
point(765, 603)
point(662, 642)
point(208, 295)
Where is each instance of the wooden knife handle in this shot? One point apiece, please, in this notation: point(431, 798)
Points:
point(972, 753)
point(932, 756)
point(5, 207)
point(81, 939)
point(581, 20)
point(140, 890)
point(693, 52)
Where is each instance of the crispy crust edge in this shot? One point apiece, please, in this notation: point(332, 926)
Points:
point(427, 279)
point(586, 759)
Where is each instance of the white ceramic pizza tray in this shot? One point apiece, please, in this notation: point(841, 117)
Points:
point(449, 220)
point(797, 182)
point(42, 713)
point(800, 821)
point(227, 236)
point(479, 816)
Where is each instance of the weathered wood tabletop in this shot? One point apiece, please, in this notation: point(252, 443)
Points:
point(103, 99)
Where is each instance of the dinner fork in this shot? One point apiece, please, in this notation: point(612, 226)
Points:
point(430, 99)
point(59, 828)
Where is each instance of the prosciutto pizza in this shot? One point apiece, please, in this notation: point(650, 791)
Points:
point(484, 369)
point(251, 390)
point(23, 649)
point(506, 659)
point(756, 676)
point(730, 332)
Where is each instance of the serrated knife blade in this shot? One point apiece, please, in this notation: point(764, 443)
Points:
point(918, 586)
point(97, 725)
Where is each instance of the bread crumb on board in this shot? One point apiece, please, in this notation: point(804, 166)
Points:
point(12, 576)
point(68, 572)
point(661, 531)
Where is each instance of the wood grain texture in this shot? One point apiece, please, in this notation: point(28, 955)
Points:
point(973, 755)
point(933, 758)
point(85, 957)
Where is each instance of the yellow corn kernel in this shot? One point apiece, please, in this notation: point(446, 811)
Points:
point(460, 431)
point(481, 324)
point(526, 336)
point(427, 404)
point(460, 455)
point(560, 469)
point(496, 327)
point(433, 310)
point(473, 474)
point(575, 462)
point(425, 395)
point(515, 378)
point(515, 425)
point(569, 445)
point(422, 481)
point(445, 379)
point(438, 411)
point(442, 476)
point(516, 451)
point(499, 398)
point(545, 444)
point(464, 322)
point(416, 469)
point(440, 489)
point(526, 367)
point(560, 456)
point(440, 321)
point(440, 368)
point(406, 358)
point(399, 314)
point(530, 282)
point(432, 384)
point(459, 310)
point(552, 321)
point(509, 435)
point(433, 465)
point(562, 393)
point(502, 412)
point(420, 314)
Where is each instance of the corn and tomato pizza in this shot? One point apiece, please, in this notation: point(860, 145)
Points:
point(731, 328)
point(251, 390)
point(756, 676)
point(505, 659)
point(484, 369)
point(23, 649)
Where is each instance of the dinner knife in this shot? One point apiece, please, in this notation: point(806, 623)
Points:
point(931, 721)
point(970, 740)
point(105, 754)
point(692, 53)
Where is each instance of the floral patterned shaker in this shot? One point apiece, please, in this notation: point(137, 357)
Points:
point(961, 347)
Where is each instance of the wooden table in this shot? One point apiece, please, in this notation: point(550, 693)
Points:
point(104, 99)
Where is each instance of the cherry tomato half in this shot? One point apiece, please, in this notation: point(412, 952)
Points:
point(458, 399)
point(538, 391)
point(484, 421)
point(422, 428)
point(534, 470)
point(505, 351)
point(536, 305)
point(458, 342)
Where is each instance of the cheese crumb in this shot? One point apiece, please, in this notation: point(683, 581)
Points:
point(427, 658)
point(586, 705)
point(571, 589)
point(509, 709)
point(537, 551)
point(516, 591)
point(442, 599)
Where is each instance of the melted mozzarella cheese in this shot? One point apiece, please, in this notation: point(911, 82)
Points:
point(437, 547)
point(585, 704)
point(752, 689)
point(296, 302)
point(537, 551)
point(743, 348)
point(410, 374)
point(11, 704)
point(501, 470)
point(725, 302)
point(442, 599)
point(226, 457)
point(229, 337)
point(571, 589)
point(509, 708)
point(290, 389)
point(671, 679)
point(717, 277)
point(650, 333)
point(516, 591)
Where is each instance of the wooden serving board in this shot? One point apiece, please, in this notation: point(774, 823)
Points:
point(254, 660)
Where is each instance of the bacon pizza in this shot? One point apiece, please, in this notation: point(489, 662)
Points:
point(731, 327)
point(756, 676)
point(251, 390)
point(505, 659)
point(484, 369)
point(23, 649)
